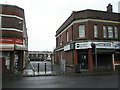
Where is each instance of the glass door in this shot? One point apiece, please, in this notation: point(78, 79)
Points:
point(83, 60)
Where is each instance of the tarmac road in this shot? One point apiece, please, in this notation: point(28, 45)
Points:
point(65, 81)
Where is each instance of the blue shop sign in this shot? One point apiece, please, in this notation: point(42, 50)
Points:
point(116, 45)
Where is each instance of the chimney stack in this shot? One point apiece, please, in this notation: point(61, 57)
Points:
point(109, 8)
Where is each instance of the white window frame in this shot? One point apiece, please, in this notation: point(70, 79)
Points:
point(116, 32)
point(0, 22)
point(104, 31)
point(67, 36)
point(81, 31)
point(61, 40)
point(110, 32)
point(95, 31)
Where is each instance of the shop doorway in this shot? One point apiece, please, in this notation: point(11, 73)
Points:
point(18, 61)
point(83, 59)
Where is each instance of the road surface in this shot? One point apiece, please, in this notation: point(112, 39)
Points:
point(64, 81)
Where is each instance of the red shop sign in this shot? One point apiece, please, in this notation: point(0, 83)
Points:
point(11, 40)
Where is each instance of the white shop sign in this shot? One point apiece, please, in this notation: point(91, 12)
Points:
point(107, 45)
point(84, 45)
point(104, 45)
point(67, 47)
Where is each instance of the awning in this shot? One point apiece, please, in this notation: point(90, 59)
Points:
point(20, 47)
point(12, 47)
point(117, 51)
point(105, 51)
point(7, 47)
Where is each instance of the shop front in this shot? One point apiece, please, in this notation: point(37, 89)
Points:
point(11, 61)
point(105, 58)
point(101, 60)
point(12, 54)
point(83, 59)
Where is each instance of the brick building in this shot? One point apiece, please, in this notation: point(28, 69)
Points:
point(40, 55)
point(80, 30)
point(13, 38)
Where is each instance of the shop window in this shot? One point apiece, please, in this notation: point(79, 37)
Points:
point(5, 61)
point(110, 31)
point(82, 31)
point(16, 66)
point(104, 31)
point(117, 57)
point(95, 31)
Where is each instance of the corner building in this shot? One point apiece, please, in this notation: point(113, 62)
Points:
point(13, 38)
point(74, 38)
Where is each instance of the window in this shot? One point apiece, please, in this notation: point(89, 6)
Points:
point(116, 32)
point(57, 43)
point(104, 31)
point(61, 56)
point(95, 31)
point(67, 36)
point(61, 40)
point(82, 31)
point(0, 21)
point(110, 31)
point(72, 33)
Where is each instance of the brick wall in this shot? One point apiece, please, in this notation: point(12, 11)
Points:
point(15, 34)
point(89, 29)
point(12, 19)
point(12, 22)
point(12, 10)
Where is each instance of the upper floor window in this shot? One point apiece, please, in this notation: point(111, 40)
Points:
point(110, 31)
point(61, 40)
point(57, 43)
point(104, 31)
point(116, 32)
point(67, 36)
point(95, 31)
point(82, 31)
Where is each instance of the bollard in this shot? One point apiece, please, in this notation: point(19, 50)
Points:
point(38, 67)
point(45, 67)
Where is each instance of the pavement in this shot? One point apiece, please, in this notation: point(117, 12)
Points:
point(60, 79)
point(56, 78)
point(31, 70)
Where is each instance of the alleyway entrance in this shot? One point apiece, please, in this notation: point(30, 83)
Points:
point(38, 68)
point(35, 68)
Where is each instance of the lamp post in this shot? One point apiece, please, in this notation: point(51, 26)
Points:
point(94, 51)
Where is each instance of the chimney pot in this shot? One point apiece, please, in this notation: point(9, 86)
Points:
point(109, 8)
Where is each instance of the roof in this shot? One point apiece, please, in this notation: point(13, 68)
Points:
point(11, 6)
point(88, 14)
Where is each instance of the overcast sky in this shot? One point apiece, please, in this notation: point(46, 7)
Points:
point(44, 17)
